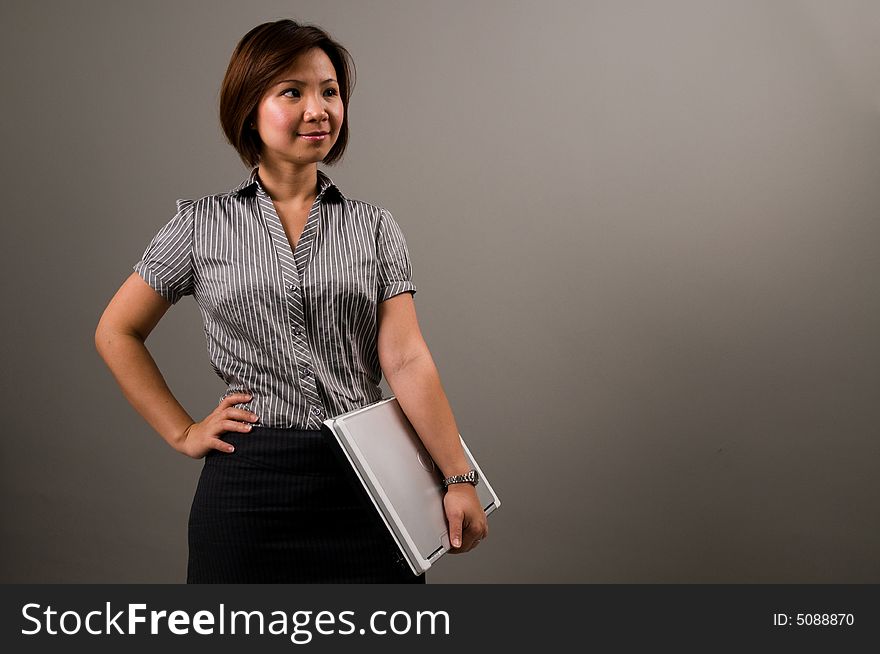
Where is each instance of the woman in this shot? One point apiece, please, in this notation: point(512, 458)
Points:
point(307, 299)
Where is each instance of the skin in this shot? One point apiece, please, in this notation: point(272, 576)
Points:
point(288, 170)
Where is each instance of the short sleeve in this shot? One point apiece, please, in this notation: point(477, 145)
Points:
point(395, 270)
point(167, 262)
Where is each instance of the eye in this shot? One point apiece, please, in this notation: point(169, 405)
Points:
point(332, 91)
point(294, 91)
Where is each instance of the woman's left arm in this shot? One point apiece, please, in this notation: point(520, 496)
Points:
point(409, 368)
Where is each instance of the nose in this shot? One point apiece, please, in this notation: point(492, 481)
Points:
point(314, 109)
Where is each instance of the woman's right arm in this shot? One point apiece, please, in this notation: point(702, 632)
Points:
point(127, 321)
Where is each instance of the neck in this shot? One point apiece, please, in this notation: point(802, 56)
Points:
point(289, 182)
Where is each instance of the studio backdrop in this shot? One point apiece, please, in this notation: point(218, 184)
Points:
point(645, 238)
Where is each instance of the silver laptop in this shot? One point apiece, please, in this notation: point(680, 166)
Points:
point(401, 479)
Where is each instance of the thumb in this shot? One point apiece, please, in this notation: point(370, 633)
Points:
point(455, 529)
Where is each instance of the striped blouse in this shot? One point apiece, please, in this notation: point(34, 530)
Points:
point(295, 328)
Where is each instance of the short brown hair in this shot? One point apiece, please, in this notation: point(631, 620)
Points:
point(262, 54)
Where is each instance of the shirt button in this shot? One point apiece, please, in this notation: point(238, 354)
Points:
point(307, 371)
point(291, 287)
point(316, 410)
point(297, 331)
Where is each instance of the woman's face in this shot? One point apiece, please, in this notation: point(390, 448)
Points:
point(303, 100)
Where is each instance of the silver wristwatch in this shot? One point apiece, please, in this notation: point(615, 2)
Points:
point(471, 477)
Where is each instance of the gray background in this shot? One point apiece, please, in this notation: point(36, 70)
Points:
point(645, 237)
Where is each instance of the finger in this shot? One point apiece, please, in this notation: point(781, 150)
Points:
point(222, 446)
point(470, 538)
point(239, 414)
point(235, 425)
point(235, 398)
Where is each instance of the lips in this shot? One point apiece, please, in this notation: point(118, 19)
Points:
point(315, 137)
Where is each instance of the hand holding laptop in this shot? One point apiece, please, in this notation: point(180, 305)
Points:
point(467, 520)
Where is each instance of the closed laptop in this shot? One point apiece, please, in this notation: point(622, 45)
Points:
point(400, 479)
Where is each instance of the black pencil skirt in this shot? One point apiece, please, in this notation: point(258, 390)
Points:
point(282, 508)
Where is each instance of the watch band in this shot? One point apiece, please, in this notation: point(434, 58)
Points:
point(470, 477)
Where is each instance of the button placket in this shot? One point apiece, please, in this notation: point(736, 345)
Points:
point(302, 256)
point(289, 262)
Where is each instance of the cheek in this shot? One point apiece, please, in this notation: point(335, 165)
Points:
point(275, 118)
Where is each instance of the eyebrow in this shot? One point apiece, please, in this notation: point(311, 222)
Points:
point(297, 81)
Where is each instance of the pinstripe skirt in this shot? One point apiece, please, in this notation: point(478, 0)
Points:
point(282, 508)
